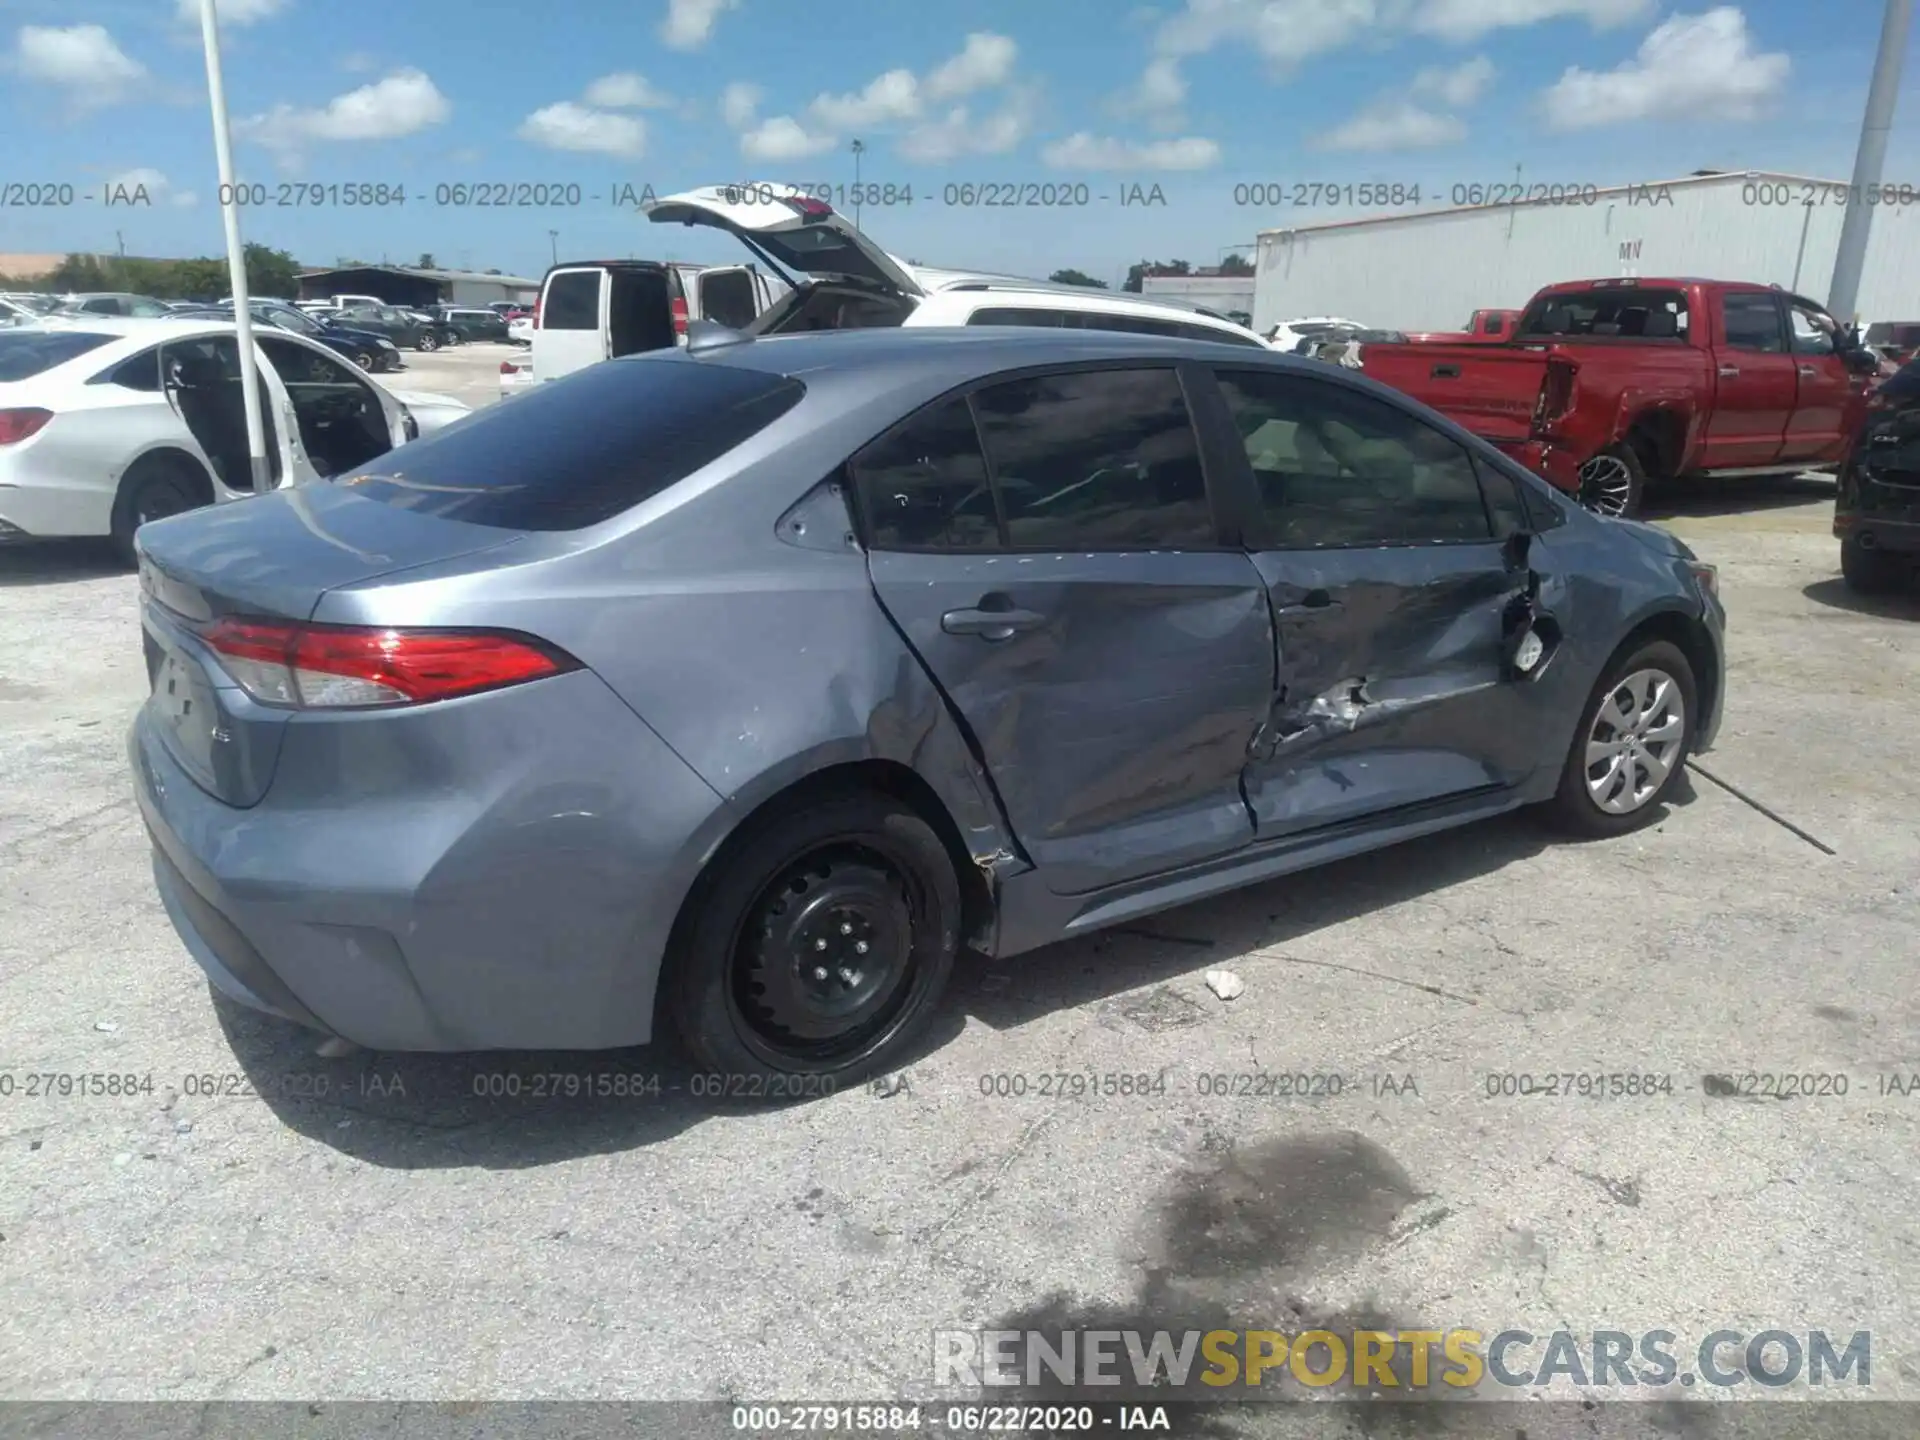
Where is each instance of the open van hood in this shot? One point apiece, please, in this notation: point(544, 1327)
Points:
point(797, 231)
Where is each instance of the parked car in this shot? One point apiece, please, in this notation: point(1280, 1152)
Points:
point(1287, 336)
point(1607, 384)
point(516, 375)
point(520, 332)
point(368, 349)
point(13, 313)
point(134, 307)
point(759, 677)
point(111, 423)
point(851, 283)
point(1876, 513)
point(596, 310)
point(33, 300)
point(403, 327)
point(344, 302)
point(1486, 326)
point(465, 322)
point(1898, 340)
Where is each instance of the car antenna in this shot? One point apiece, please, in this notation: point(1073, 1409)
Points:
point(704, 335)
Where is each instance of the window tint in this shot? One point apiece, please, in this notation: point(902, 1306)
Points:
point(23, 355)
point(573, 301)
point(581, 450)
point(1506, 505)
point(1016, 315)
point(297, 365)
point(1099, 460)
point(1812, 331)
point(727, 298)
point(1612, 310)
point(142, 373)
point(1753, 323)
point(1496, 324)
point(1335, 467)
point(924, 487)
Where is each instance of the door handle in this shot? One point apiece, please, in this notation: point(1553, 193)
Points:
point(1808, 370)
point(1311, 603)
point(1729, 372)
point(995, 618)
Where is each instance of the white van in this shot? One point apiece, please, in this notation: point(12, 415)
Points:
point(596, 310)
point(842, 280)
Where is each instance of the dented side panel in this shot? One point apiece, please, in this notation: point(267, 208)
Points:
point(1390, 687)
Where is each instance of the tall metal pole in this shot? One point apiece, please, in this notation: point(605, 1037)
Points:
point(1851, 258)
point(236, 253)
point(859, 149)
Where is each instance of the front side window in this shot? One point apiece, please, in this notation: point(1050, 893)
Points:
point(1337, 468)
point(298, 365)
point(1813, 330)
point(1096, 460)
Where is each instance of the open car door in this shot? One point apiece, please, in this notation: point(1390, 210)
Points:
point(791, 231)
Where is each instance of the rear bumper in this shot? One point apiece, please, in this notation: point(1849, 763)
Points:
point(1873, 533)
point(500, 875)
point(33, 508)
point(1555, 464)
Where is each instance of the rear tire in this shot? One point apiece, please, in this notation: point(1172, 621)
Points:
point(364, 359)
point(1869, 572)
point(429, 341)
point(1632, 743)
point(1614, 482)
point(817, 949)
point(151, 490)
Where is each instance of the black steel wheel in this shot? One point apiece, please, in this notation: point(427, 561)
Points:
point(819, 946)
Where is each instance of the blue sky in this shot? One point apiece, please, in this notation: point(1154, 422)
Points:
point(1195, 97)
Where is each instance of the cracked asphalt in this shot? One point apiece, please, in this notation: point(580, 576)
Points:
point(265, 1223)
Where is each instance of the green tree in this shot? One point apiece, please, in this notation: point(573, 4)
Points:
point(426, 261)
point(1236, 265)
point(1076, 277)
point(1140, 270)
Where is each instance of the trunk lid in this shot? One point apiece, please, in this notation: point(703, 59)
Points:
point(795, 231)
point(273, 556)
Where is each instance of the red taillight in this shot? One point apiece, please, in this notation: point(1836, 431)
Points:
point(536, 313)
point(507, 367)
point(679, 316)
point(352, 666)
point(17, 425)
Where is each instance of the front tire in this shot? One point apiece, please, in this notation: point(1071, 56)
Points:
point(429, 341)
point(1613, 483)
point(1631, 744)
point(364, 359)
point(819, 946)
point(1868, 572)
point(150, 490)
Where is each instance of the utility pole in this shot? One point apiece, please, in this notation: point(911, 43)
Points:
point(553, 240)
point(1851, 257)
point(859, 149)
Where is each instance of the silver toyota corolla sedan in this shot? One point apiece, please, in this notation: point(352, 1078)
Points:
point(745, 684)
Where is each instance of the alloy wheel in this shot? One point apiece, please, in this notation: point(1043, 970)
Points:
point(826, 954)
point(1606, 485)
point(1635, 741)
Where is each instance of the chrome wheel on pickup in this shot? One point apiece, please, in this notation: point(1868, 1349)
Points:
point(1611, 482)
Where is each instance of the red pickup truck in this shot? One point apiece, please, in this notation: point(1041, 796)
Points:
point(1484, 327)
point(1604, 385)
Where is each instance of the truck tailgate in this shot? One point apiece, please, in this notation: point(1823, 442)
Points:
point(1488, 389)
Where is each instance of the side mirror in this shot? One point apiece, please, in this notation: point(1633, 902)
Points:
point(1862, 361)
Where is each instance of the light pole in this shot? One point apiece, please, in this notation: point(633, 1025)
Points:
point(236, 252)
point(553, 239)
point(859, 149)
point(1851, 256)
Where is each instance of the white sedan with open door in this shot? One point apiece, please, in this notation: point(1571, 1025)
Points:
point(107, 424)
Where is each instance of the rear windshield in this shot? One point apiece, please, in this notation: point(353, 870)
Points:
point(24, 355)
point(1614, 311)
point(574, 452)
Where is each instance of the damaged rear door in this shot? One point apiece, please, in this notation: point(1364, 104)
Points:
point(1388, 588)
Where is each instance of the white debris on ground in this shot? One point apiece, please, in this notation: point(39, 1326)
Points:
point(1225, 983)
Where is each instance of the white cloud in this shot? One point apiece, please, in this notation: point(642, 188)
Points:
point(889, 97)
point(359, 62)
point(1689, 67)
point(985, 61)
point(689, 23)
point(739, 103)
point(959, 132)
point(1085, 151)
point(402, 103)
point(627, 91)
point(232, 12)
point(83, 60)
point(571, 126)
point(1283, 31)
point(1392, 125)
point(1462, 20)
point(784, 138)
point(1455, 85)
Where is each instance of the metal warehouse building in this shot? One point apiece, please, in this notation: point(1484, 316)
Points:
point(1429, 270)
point(410, 285)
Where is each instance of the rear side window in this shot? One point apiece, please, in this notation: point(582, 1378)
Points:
point(727, 298)
point(924, 486)
point(573, 301)
point(22, 356)
point(1610, 311)
point(1096, 460)
point(1753, 323)
point(577, 451)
